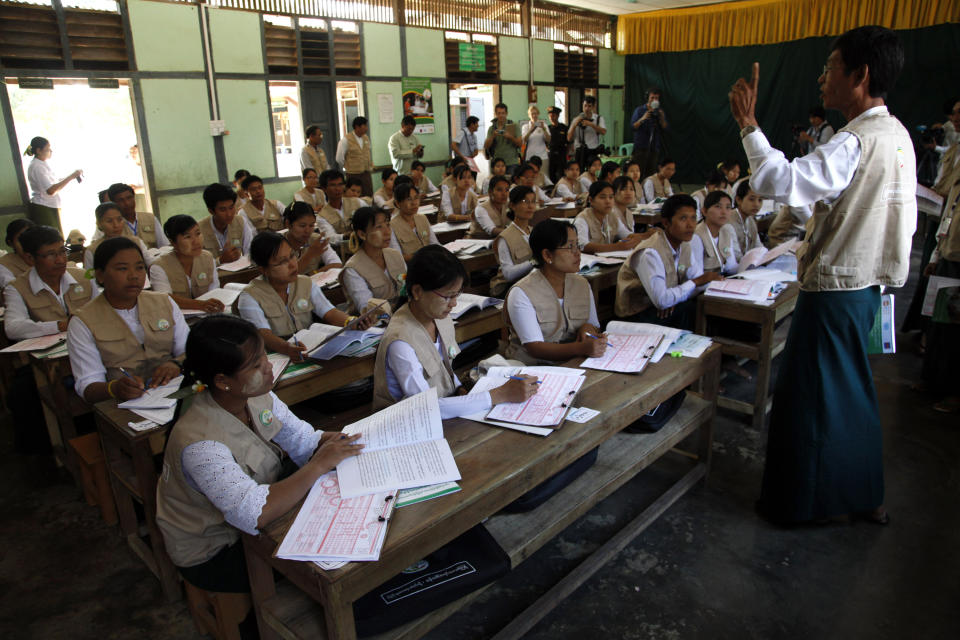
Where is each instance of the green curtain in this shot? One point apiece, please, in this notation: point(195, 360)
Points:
point(701, 130)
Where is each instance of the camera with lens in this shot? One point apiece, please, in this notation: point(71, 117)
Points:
point(796, 130)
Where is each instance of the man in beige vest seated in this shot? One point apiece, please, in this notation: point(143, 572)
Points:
point(226, 235)
point(141, 224)
point(355, 155)
point(312, 155)
point(262, 213)
point(824, 453)
point(335, 217)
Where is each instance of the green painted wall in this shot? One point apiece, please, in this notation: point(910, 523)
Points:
point(181, 147)
point(381, 49)
point(425, 53)
point(542, 61)
point(436, 146)
point(246, 115)
point(545, 100)
point(227, 29)
point(514, 59)
point(611, 68)
point(166, 37)
point(380, 133)
point(283, 191)
point(618, 69)
point(9, 189)
point(189, 203)
point(516, 98)
point(611, 108)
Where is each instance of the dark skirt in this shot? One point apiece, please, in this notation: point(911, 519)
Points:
point(943, 345)
point(43, 215)
point(825, 452)
point(225, 572)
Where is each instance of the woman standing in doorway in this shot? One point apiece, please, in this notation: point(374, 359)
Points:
point(44, 202)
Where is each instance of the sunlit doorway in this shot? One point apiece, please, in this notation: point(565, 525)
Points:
point(89, 129)
point(473, 100)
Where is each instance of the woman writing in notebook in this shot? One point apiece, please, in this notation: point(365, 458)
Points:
point(281, 302)
point(551, 311)
point(310, 248)
point(512, 246)
point(222, 462)
point(111, 222)
point(598, 229)
point(374, 272)
point(419, 345)
point(189, 270)
point(126, 339)
point(409, 230)
point(458, 202)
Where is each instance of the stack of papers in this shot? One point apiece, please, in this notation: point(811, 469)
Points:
point(330, 528)
point(541, 413)
point(241, 263)
point(442, 227)
point(279, 363)
point(768, 273)
point(626, 353)
point(759, 291)
point(154, 405)
point(674, 340)
point(405, 448)
point(934, 284)
point(326, 278)
point(468, 301)
point(227, 295)
point(469, 246)
point(566, 205)
point(761, 256)
point(588, 261)
point(36, 344)
point(623, 254)
point(427, 208)
point(324, 341)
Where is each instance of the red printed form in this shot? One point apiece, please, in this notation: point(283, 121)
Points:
point(330, 528)
point(628, 353)
point(546, 408)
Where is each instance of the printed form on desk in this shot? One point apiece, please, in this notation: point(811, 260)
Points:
point(405, 448)
point(627, 353)
point(540, 413)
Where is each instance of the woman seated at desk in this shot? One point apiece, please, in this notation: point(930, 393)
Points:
point(409, 230)
point(569, 186)
point(719, 240)
point(551, 312)
point(383, 197)
point(14, 264)
point(512, 246)
point(420, 343)
point(374, 272)
point(189, 270)
point(281, 302)
point(490, 218)
point(459, 202)
point(222, 463)
point(310, 248)
point(597, 228)
point(311, 193)
point(111, 222)
point(40, 301)
point(661, 277)
point(126, 339)
point(624, 200)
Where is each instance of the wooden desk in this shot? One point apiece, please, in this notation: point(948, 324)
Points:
point(498, 466)
point(443, 237)
point(474, 323)
point(479, 261)
point(772, 341)
point(243, 276)
point(60, 406)
point(602, 283)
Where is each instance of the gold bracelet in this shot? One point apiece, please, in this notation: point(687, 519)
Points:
point(110, 389)
point(349, 320)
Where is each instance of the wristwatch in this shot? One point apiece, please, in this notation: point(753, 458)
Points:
point(747, 130)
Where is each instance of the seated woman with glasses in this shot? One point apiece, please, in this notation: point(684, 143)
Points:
point(551, 311)
point(419, 344)
point(281, 302)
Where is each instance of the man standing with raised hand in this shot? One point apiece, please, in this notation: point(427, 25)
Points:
point(824, 453)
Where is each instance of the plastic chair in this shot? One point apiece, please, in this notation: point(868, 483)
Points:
point(626, 149)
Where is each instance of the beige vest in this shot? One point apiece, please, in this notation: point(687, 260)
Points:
point(331, 215)
point(381, 287)
point(116, 343)
point(456, 204)
point(201, 274)
point(558, 323)
point(952, 176)
point(624, 215)
point(318, 158)
point(424, 185)
point(357, 158)
point(194, 530)
point(948, 246)
point(784, 227)
point(44, 306)
point(387, 197)
point(519, 246)
point(234, 235)
point(409, 239)
point(863, 238)
point(499, 218)
point(147, 228)
point(298, 252)
point(315, 199)
point(270, 219)
point(15, 264)
point(716, 255)
point(601, 232)
point(449, 182)
point(740, 229)
point(436, 368)
point(576, 187)
point(632, 298)
point(661, 188)
point(284, 319)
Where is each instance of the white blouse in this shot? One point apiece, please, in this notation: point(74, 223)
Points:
point(147, 257)
point(41, 177)
point(357, 288)
point(583, 231)
point(17, 321)
point(536, 143)
point(251, 311)
point(512, 272)
point(650, 269)
point(431, 239)
point(523, 316)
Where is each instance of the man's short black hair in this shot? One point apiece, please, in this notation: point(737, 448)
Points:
point(359, 121)
point(311, 129)
point(818, 112)
point(249, 180)
point(116, 189)
point(676, 202)
point(879, 50)
point(500, 105)
point(590, 100)
point(215, 193)
point(408, 121)
point(475, 120)
point(39, 236)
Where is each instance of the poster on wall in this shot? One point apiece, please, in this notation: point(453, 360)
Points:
point(418, 102)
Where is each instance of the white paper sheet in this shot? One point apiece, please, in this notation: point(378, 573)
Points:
point(154, 398)
point(326, 278)
point(409, 421)
point(468, 301)
point(582, 415)
point(241, 263)
point(619, 327)
point(427, 208)
point(445, 226)
point(546, 408)
point(36, 344)
point(934, 284)
point(629, 353)
point(279, 363)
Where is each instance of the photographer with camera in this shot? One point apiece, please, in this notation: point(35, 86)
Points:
point(819, 132)
point(648, 122)
point(585, 131)
point(503, 140)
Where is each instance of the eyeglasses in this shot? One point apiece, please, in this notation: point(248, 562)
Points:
point(447, 299)
point(51, 255)
point(283, 263)
point(570, 247)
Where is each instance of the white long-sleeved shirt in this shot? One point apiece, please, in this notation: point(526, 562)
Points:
point(405, 379)
point(251, 311)
point(446, 203)
point(357, 288)
point(537, 142)
point(17, 322)
point(482, 216)
point(523, 316)
point(210, 468)
point(649, 267)
point(511, 271)
point(147, 257)
point(41, 177)
point(583, 231)
point(160, 282)
point(85, 361)
point(648, 192)
point(401, 151)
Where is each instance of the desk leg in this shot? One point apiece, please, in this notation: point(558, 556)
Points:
point(61, 449)
point(339, 615)
point(262, 587)
point(764, 366)
point(147, 482)
point(114, 455)
point(710, 389)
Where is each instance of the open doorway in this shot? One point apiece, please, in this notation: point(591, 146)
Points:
point(89, 129)
point(349, 105)
point(473, 100)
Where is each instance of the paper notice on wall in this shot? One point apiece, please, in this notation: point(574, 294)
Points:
point(385, 107)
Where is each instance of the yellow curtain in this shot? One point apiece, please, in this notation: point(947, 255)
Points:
point(749, 22)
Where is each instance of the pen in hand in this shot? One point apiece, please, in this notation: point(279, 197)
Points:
point(590, 335)
point(127, 373)
point(521, 378)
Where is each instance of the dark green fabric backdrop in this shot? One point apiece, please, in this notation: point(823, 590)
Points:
point(695, 85)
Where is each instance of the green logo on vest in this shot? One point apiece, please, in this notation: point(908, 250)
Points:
point(77, 289)
point(266, 417)
point(202, 276)
point(163, 324)
point(302, 304)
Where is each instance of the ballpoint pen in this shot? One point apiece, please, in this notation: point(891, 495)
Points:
point(521, 379)
point(590, 335)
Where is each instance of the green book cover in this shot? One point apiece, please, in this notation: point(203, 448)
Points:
point(883, 338)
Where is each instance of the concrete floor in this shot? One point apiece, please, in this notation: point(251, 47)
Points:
point(708, 568)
